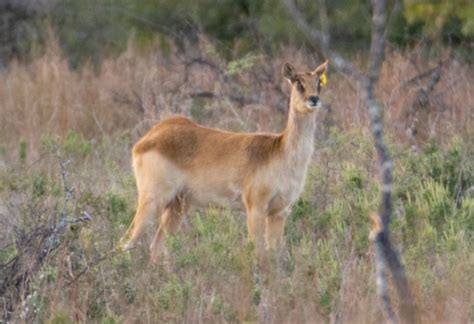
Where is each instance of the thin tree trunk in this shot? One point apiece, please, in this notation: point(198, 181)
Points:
point(380, 235)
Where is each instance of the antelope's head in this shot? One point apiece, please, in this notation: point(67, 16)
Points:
point(305, 87)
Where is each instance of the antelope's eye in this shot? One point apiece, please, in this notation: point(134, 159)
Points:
point(299, 86)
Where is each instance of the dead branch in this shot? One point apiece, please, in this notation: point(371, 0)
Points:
point(323, 17)
point(134, 101)
point(430, 72)
point(434, 75)
point(318, 37)
point(91, 265)
point(34, 246)
point(231, 91)
point(422, 96)
point(241, 100)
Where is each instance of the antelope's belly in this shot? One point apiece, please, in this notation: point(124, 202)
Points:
point(223, 196)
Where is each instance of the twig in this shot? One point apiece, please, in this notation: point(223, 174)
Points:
point(89, 266)
point(52, 241)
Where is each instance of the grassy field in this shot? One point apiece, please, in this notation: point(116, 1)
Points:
point(67, 194)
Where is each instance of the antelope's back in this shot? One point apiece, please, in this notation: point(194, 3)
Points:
point(192, 147)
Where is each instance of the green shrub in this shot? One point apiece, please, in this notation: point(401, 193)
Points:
point(22, 151)
point(118, 208)
point(75, 144)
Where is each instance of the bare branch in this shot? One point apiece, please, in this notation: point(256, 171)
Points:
point(107, 256)
point(241, 100)
point(431, 72)
point(322, 40)
point(34, 246)
point(323, 17)
point(313, 34)
point(231, 92)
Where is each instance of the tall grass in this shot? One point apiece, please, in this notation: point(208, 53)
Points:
point(325, 272)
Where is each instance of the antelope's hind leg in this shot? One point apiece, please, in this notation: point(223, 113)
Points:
point(157, 185)
point(275, 223)
point(274, 230)
point(146, 209)
point(274, 239)
point(170, 222)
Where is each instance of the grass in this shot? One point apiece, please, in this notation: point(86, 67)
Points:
point(325, 272)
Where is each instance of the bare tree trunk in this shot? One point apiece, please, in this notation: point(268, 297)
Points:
point(380, 273)
point(383, 243)
point(380, 235)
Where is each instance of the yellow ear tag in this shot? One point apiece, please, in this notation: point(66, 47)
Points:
point(323, 79)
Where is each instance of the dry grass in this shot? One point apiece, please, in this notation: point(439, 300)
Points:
point(135, 90)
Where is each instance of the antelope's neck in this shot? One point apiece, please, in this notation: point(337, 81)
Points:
point(298, 139)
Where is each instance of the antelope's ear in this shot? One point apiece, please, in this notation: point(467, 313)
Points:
point(289, 72)
point(320, 70)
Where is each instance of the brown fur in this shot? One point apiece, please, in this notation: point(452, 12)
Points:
point(179, 164)
point(182, 141)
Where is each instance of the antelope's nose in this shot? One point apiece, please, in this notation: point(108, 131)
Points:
point(314, 100)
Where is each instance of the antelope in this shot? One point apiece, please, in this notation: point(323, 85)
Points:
point(179, 164)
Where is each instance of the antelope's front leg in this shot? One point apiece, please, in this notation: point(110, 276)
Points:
point(256, 228)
